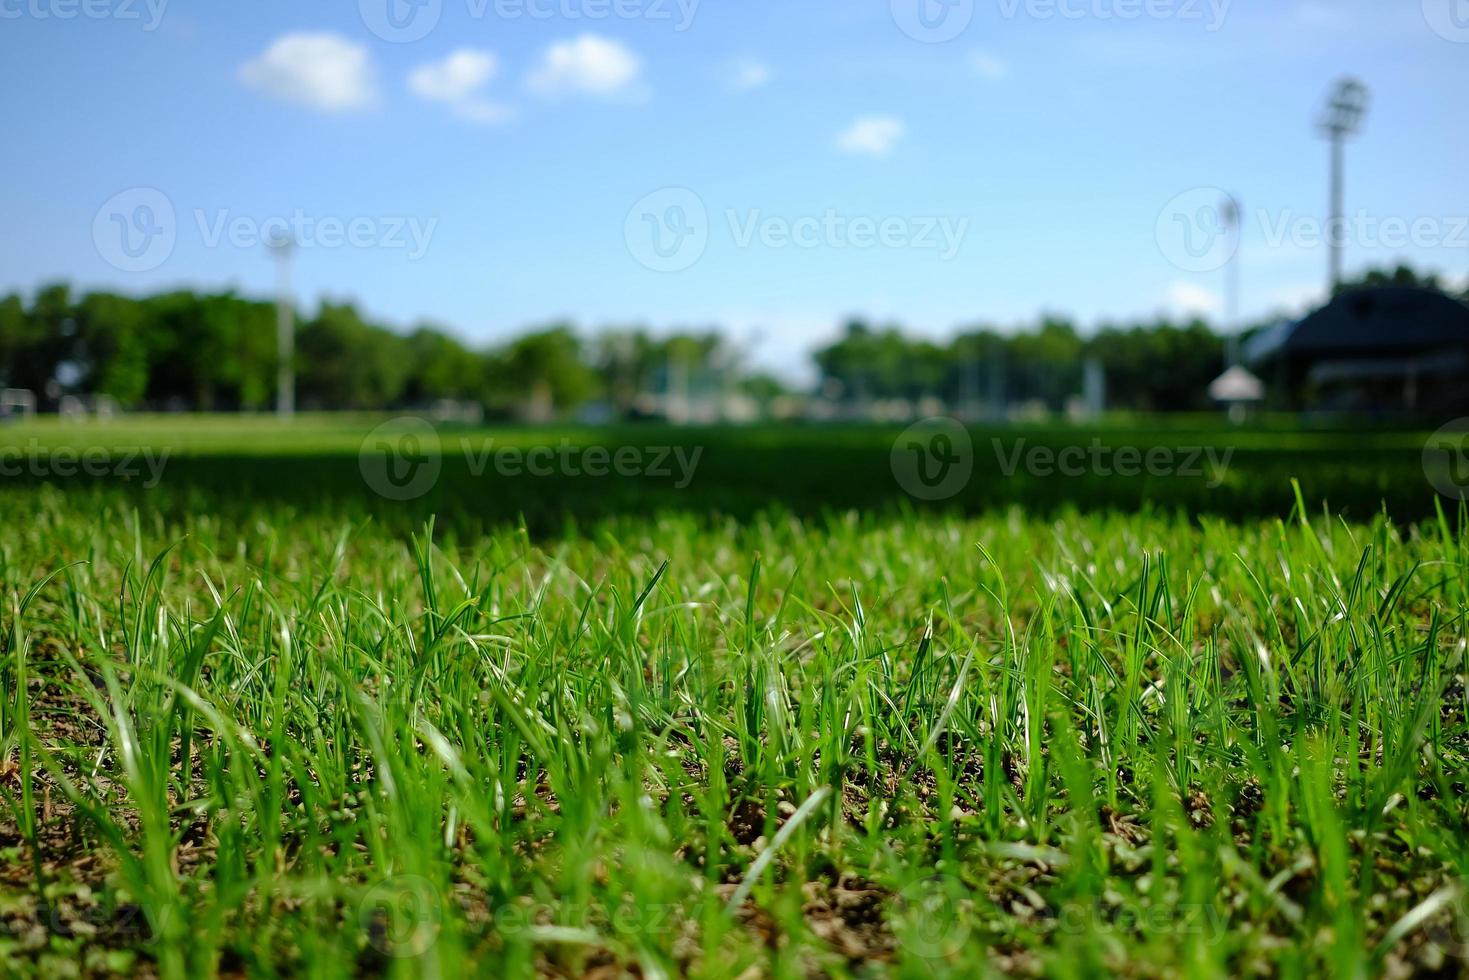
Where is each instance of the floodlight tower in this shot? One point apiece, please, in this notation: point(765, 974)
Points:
point(283, 247)
point(1232, 218)
point(1341, 120)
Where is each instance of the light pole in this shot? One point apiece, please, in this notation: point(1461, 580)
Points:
point(285, 330)
point(1233, 220)
point(1341, 120)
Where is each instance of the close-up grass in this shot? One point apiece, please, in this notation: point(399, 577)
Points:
point(659, 489)
point(781, 724)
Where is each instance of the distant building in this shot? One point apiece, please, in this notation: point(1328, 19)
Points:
point(1374, 350)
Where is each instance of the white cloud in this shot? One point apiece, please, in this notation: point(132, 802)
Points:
point(872, 135)
point(457, 77)
point(747, 74)
point(324, 72)
point(587, 65)
point(1186, 297)
point(459, 81)
point(988, 66)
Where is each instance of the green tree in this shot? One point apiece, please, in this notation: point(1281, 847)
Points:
point(113, 347)
point(441, 367)
point(544, 372)
point(627, 361)
point(346, 363)
point(15, 337)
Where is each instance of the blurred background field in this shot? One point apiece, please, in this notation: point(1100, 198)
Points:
point(235, 465)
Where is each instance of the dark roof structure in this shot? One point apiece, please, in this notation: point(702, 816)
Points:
point(1377, 350)
point(1372, 322)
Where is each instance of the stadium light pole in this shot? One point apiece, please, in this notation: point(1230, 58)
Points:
point(285, 331)
point(1341, 120)
point(1233, 218)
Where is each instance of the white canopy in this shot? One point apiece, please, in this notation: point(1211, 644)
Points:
point(1237, 385)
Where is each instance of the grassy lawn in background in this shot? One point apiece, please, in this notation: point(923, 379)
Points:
point(227, 464)
point(260, 720)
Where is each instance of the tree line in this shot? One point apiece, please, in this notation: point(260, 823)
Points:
point(217, 352)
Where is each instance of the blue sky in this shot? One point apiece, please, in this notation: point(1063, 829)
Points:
point(801, 162)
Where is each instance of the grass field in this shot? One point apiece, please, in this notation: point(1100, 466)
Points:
point(784, 720)
point(243, 468)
